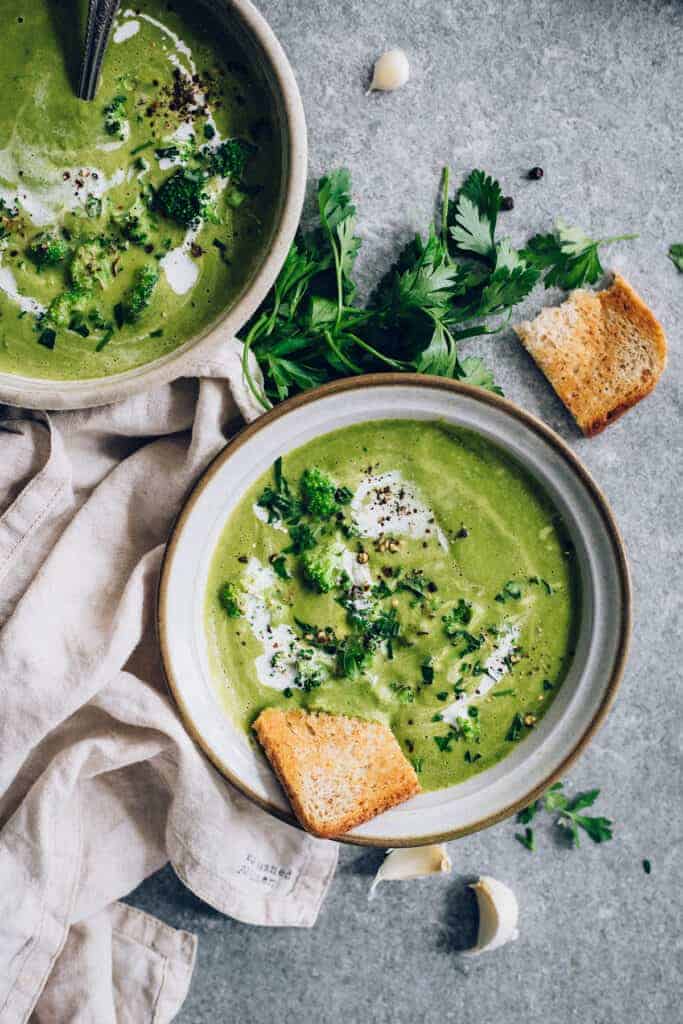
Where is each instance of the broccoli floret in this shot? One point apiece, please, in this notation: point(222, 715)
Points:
point(182, 197)
point(308, 675)
point(228, 598)
point(64, 306)
point(90, 264)
point(227, 160)
point(47, 250)
point(318, 493)
point(140, 294)
point(468, 728)
point(115, 115)
point(134, 223)
point(321, 568)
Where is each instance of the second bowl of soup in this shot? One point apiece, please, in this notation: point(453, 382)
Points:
point(152, 220)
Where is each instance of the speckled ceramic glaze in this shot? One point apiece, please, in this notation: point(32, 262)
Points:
point(245, 24)
point(593, 677)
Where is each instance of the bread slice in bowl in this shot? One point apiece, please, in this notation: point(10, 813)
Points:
point(337, 771)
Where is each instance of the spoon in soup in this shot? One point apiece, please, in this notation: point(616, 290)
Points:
point(101, 14)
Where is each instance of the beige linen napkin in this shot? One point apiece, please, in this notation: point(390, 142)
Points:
point(99, 783)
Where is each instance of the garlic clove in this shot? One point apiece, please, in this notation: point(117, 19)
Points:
point(412, 862)
point(498, 915)
point(391, 72)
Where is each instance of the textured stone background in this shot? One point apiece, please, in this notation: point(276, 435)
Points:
point(592, 91)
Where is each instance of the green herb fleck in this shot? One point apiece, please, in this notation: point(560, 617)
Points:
point(527, 839)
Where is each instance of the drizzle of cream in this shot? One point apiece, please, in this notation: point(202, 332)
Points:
point(178, 43)
point(45, 203)
point(495, 670)
point(8, 285)
point(180, 269)
point(126, 31)
point(400, 510)
point(279, 642)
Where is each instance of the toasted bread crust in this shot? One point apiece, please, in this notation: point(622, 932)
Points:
point(338, 772)
point(601, 351)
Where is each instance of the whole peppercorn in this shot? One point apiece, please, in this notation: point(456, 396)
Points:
point(507, 203)
point(535, 173)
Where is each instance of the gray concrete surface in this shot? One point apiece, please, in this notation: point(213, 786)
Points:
point(592, 91)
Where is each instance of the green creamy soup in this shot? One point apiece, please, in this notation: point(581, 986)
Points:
point(403, 571)
point(129, 223)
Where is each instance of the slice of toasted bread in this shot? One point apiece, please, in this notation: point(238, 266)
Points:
point(601, 351)
point(337, 772)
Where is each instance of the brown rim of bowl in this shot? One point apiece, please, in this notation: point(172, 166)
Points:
point(488, 398)
point(43, 393)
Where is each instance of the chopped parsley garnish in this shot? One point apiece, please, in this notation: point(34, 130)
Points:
point(466, 642)
point(279, 564)
point(511, 589)
point(427, 670)
point(279, 501)
point(352, 656)
point(444, 742)
point(405, 694)
point(516, 729)
point(461, 615)
point(471, 758)
point(542, 583)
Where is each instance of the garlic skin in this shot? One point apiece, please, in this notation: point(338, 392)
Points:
point(498, 915)
point(411, 862)
point(391, 72)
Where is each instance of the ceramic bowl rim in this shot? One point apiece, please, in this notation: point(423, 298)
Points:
point(385, 380)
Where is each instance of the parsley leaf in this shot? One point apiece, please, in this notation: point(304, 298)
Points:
point(676, 255)
point(476, 213)
point(598, 829)
point(568, 258)
point(527, 814)
point(527, 839)
point(474, 371)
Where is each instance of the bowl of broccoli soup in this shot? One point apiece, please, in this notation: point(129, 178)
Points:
point(139, 230)
point(407, 550)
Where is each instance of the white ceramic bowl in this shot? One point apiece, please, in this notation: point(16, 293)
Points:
point(243, 23)
point(587, 692)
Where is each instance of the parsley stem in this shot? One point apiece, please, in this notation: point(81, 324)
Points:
point(617, 238)
point(396, 363)
point(446, 180)
point(259, 395)
point(340, 355)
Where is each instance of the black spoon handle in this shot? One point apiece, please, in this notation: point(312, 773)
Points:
point(101, 14)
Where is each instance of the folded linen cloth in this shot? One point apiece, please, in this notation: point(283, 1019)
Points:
point(100, 785)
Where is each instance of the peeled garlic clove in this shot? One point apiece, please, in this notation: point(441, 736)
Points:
point(498, 914)
point(391, 71)
point(412, 862)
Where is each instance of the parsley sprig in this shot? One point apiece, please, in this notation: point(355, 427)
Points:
point(459, 281)
point(568, 817)
point(568, 258)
